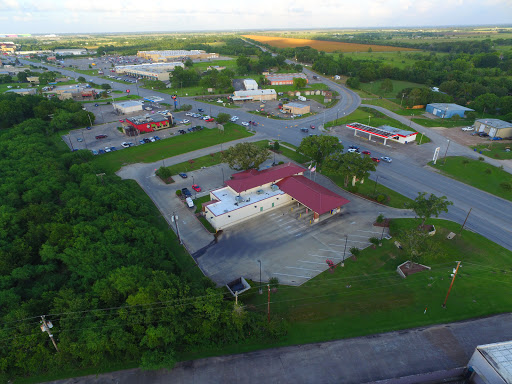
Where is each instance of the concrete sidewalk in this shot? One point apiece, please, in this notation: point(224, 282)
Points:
point(409, 354)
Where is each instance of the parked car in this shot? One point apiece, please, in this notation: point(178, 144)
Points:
point(88, 128)
point(245, 124)
point(182, 132)
point(183, 175)
point(79, 139)
point(101, 151)
point(96, 105)
point(186, 192)
point(353, 149)
point(94, 152)
point(254, 123)
point(101, 137)
point(152, 139)
point(366, 153)
point(189, 202)
point(305, 130)
point(235, 118)
point(189, 114)
point(121, 121)
point(206, 117)
point(210, 120)
point(142, 142)
point(196, 188)
point(185, 121)
point(312, 126)
point(376, 159)
point(497, 138)
point(157, 138)
point(200, 109)
point(468, 128)
point(125, 144)
point(146, 140)
point(107, 149)
point(386, 159)
point(483, 134)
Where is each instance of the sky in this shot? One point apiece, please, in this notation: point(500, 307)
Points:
point(96, 16)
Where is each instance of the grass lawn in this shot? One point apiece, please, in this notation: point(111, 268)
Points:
point(367, 296)
point(3, 87)
point(293, 155)
point(494, 149)
point(287, 88)
point(375, 119)
point(374, 87)
point(320, 99)
point(225, 103)
point(109, 99)
point(396, 59)
point(173, 146)
point(446, 123)
point(185, 91)
point(203, 65)
point(478, 174)
point(394, 106)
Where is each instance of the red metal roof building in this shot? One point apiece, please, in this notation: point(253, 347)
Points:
point(385, 132)
point(150, 123)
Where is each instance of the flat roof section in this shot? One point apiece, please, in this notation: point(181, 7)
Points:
point(295, 105)
point(383, 131)
point(156, 118)
point(127, 104)
point(499, 355)
point(229, 201)
point(310, 194)
point(243, 181)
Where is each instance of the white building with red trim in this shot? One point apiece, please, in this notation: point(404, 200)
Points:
point(251, 193)
point(384, 132)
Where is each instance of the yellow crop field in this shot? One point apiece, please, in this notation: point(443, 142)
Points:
point(322, 45)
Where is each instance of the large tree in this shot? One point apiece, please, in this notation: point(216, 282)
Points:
point(245, 156)
point(425, 207)
point(299, 82)
point(223, 118)
point(350, 165)
point(319, 147)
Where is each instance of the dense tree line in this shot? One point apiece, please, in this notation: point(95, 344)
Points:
point(92, 253)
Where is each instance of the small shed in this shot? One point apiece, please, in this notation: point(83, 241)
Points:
point(446, 110)
point(250, 84)
point(494, 127)
point(297, 108)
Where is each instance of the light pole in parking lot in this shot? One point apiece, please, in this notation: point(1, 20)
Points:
point(345, 250)
point(175, 219)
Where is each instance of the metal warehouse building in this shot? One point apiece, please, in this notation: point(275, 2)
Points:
point(446, 110)
point(176, 54)
point(258, 94)
point(156, 71)
point(285, 78)
point(128, 107)
point(296, 108)
point(494, 127)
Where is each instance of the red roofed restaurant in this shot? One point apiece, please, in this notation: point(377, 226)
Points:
point(149, 123)
point(250, 193)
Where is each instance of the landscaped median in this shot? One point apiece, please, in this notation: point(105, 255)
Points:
point(368, 296)
point(173, 146)
point(478, 174)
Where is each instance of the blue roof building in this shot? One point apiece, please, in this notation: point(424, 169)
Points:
point(446, 110)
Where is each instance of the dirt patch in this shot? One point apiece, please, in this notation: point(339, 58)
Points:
point(411, 268)
point(462, 137)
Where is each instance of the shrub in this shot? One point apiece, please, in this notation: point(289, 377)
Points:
point(374, 240)
point(178, 193)
point(380, 218)
point(506, 185)
point(164, 173)
point(481, 158)
point(382, 198)
point(488, 171)
point(276, 145)
point(273, 282)
point(355, 251)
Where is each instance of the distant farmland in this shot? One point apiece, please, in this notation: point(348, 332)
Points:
point(322, 45)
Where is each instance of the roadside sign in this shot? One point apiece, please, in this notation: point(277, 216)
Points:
point(127, 91)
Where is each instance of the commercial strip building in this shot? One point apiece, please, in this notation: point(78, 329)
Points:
point(285, 78)
point(74, 92)
point(296, 108)
point(161, 56)
point(250, 193)
point(494, 127)
point(152, 71)
point(70, 52)
point(446, 110)
point(385, 132)
point(491, 364)
point(23, 91)
point(126, 107)
point(7, 46)
point(149, 123)
point(256, 95)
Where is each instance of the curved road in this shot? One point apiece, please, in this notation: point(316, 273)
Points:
point(408, 174)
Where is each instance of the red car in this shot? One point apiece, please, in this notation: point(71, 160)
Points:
point(210, 120)
point(121, 121)
point(376, 159)
point(101, 137)
point(196, 188)
point(366, 153)
point(312, 126)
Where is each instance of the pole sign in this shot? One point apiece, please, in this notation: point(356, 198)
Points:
point(436, 154)
point(127, 91)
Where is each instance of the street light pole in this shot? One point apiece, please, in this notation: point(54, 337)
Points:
point(375, 188)
point(345, 250)
point(448, 146)
point(260, 290)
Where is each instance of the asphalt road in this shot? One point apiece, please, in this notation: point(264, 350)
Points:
point(409, 353)
point(407, 174)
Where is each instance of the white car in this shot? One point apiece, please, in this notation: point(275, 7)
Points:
point(125, 145)
point(152, 139)
point(235, 118)
point(206, 117)
point(185, 121)
point(468, 128)
point(245, 124)
point(386, 159)
point(189, 114)
point(107, 149)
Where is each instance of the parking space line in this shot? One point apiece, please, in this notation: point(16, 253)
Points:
point(326, 257)
point(360, 230)
point(329, 250)
point(350, 241)
point(306, 269)
point(311, 262)
point(286, 274)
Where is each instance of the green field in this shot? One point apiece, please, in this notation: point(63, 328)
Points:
point(446, 123)
point(203, 65)
point(173, 146)
point(396, 59)
point(392, 105)
point(367, 296)
point(374, 87)
point(288, 88)
point(496, 150)
point(478, 174)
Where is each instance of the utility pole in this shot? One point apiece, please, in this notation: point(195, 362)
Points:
point(45, 327)
point(268, 304)
point(464, 223)
point(175, 219)
point(260, 290)
point(345, 250)
point(451, 285)
point(448, 146)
